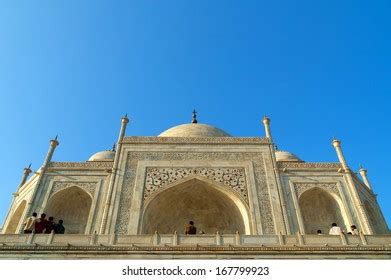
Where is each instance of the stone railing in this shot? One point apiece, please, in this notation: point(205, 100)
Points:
point(193, 240)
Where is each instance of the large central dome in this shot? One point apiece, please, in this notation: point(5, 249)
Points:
point(194, 130)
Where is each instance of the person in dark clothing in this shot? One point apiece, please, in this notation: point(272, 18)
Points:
point(49, 225)
point(40, 225)
point(59, 228)
point(191, 229)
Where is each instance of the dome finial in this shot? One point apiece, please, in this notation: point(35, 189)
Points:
point(194, 119)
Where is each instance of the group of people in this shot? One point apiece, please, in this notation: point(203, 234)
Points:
point(336, 230)
point(42, 225)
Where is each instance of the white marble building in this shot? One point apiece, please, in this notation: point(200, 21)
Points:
point(240, 191)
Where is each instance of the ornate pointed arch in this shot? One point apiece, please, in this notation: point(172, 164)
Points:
point(212, 206)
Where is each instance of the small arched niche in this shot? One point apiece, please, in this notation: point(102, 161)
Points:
point(72, 205)
point(212, 208)
point(319, 210)
point(15, 219)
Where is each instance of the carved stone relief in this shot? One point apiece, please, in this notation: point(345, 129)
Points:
point(106, 165)
point(89, 187)
point(329, 187)
point(198, 140)
point(233, 178)
point(309, 165)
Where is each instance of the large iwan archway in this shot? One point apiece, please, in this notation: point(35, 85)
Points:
point(319, 210)
point(15, 219)
point(71, 205)
point(212, 208)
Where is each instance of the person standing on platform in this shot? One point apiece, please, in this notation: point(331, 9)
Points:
point(29, 224)
point(191, 229)
point(335, 230)
point(59, 228)
point(354, 230)
point(40, 225)
point(49, 225)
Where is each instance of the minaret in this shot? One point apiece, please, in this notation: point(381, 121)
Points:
point(362, 215)
point(26, 172)
point(41, 172)
point(363, 173)
point(124, 122)
point(266, 123)
point(341, 157)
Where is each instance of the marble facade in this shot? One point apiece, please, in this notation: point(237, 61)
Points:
point(234, 188)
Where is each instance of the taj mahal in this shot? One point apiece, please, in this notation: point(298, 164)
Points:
point(246, 197)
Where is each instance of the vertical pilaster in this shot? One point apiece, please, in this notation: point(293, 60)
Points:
point(280, 215)
point(113, 176)
point(296, 205)
point(363, 219)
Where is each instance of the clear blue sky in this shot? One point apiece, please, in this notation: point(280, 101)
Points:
point(73, 68)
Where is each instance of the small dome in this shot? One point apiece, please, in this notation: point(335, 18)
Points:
point(194, 130)
point(286, 156)
point(102, 156)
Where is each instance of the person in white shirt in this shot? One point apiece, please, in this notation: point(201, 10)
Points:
point(335, 230)
point(29, 224)
point(354, 230)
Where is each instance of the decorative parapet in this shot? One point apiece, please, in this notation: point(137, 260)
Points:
point(310, 165)
point(196, 140)
point(60, 245)
point(89, 165)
